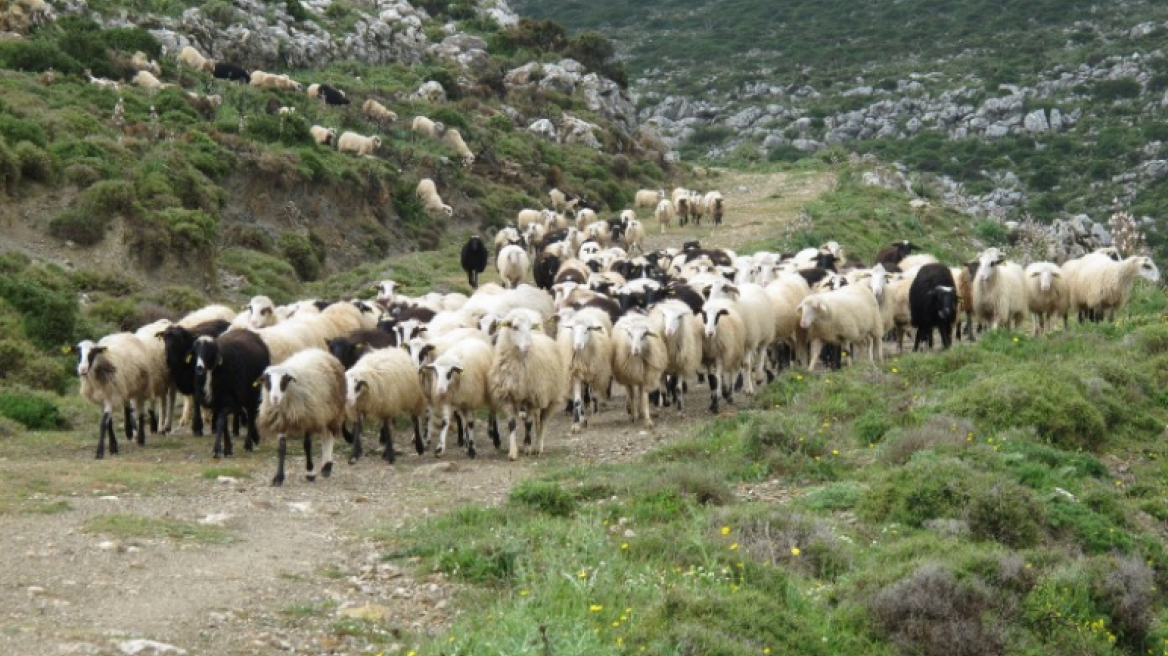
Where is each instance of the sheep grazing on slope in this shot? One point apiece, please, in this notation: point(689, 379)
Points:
point(473, 259)
point(999, 291)
point(648, 198)
point(1047, 294)
point(304, 395)
point(425, 127)
point(454, 138)
point(932, 299)
point(512, 265)
point(682, 334)
point(723, 346)
point(891, 255)
point(527, 378)
point(329, 95)
point(148, 81)
point(459, 381)
point(1101, 286)
point(228, 71)
point(845, 318)
point(114, 372)
point(664, 213)
point(586, 349)
point(427, 191)
point(226, 369)
point(384, 385)
point(359, 145)
point(140, 61)
point(323, 136)
point(378, 113)
point(191, 58)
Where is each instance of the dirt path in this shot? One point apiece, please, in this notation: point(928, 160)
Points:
point(163, 544)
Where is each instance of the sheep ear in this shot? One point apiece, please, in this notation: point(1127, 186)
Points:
point(1035, 274)
point(456, 369)
point(359, 387)
point(99, 350)
point(359, 345)
point(158, 335)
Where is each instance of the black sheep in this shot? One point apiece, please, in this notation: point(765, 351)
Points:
point(717, 256)
point(813, 276)
point(680, 291)
point(357, 344)
point(603, 303)
point(544, 272)
point(273, 106)
point(932, 302)
point(691, 246)
point(571, 275)
point(179, 342)
point(891, 255)
point(473, 259)
point(826, 261)
point(234, 362)
point(228, 71)
point(332, 95)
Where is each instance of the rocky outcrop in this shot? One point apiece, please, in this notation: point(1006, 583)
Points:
point(568, 76)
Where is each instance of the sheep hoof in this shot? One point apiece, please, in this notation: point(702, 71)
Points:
point(575, 429)
point(512, 456)
point(277, 481)
point(99, 456)
point(311, 478)
point(438, 453)
point(352, 460)
point(327, 470)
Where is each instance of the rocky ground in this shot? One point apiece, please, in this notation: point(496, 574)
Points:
point(161, 550)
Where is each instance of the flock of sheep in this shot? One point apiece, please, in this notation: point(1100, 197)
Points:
point(377, 114)
point(655, 323)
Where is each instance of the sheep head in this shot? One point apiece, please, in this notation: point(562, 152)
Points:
point(809, 309)
point(446, 373)
point(582, 331)
point(989, 258)
point(710, 321)
point(262, 312)
point(386, 291)
point(354, 388)
point(639, 333)
point(1147, 269)
point(945, 299)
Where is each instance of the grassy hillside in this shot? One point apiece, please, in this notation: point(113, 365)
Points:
point(729, 54)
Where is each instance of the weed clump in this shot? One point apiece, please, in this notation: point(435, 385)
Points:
point(546, 497)
point(931, 613)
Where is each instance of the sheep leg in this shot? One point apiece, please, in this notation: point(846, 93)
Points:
point(326, 453)
point(813, 358)
point(541, 417)
point(253, 435)
point(220, 436)
point(282, 454)
point(196, 418)
point(528, 421)
point(470, 445)
point(441, 447)
point(128, 411)
point(419, 444)
point(715, 383)
point(107, 423)
point(577, 405)
point(168, 410)
point(493, 430)
point(310, 467)
point(140, 427)
point(356, 451)
point(645, 406)
point(459, 424)
point(387, 437)
point(150, 412)
point(513, 449)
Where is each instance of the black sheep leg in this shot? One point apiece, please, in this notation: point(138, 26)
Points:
point(253, 434)
point(387, 439)
point(129, 416)
point(493, 430)
point(311, 476)
point(282, 454)
point(220, 435)
point(106, 422)
point(419, 444)
point(356, 452)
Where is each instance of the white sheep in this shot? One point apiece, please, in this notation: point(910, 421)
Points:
point(634, 236)
point(682, 333)
point(999, 291)
point(162, 390)
point(916, 261)
point(424, 126)
point(844, 317)
point(384, 385)
point(323, 136)
point(378, 113)
point(458, 380)
point(454, 138)
point(586, 217)
point(639, 359)
point(664, 213)
point(512, 264)
point(560, 200)
point(304, 395)
point(527, 377)
point(142, 62)
point(1047, 294)
point(147, 81)
point(286, 111)
point(191, 58)
point(500, 301)
point(1101, 286)
point(648, 198)
point(586, 350)
point(115, 372)
point(209, 313)
point(759, 320)
point(261, 313)
point(362, 146)
point(723, 345)
point(102, 82)
point(786, 292)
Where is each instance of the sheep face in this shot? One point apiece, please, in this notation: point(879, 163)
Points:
point(262, 313)
point(582, 331)
point(809, 309)
point(520, 327)
point(446, 372)
point(672, 317)
point(877, 280)
point(354, 388)
point(945, 299)
point(87, 353)
point(386, 291)
point(710, 322)
point(275, 382)
point(1148, 270)
point(989, 259)
point(1046, 276)
point(638, 334)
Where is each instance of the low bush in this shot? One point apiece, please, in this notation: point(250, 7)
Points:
point(544, 496)
point(932, 613)
point(35, 411)
point(35, 164)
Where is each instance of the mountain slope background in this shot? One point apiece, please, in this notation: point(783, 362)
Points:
point(1007, 110)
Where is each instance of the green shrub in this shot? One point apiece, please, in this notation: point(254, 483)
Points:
point(300, 253)
point(1053, 402)
point(48, 314)
point(35, 411)
point(9, 166)
point(36, 55)
point(992, 233)
point(131, 40)
point(544, 496)
point(291, 130)
point(79, 228)
point(1109, 90)
point(189, 229)
point(452, 118)
point(35, 164)
point(932, 613)
point(16, 130)
point(20, 361)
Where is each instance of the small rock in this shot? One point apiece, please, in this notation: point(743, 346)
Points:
point(149, 647)
point(360, 498)
point(300, 506)
point(215, 519)
point(108, 545)
point(370, 612)
point(108, 497)
point(227, 479)
point(35, 590)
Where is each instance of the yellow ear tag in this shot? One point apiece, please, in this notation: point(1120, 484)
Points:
point(189, 358)
point(66, 349)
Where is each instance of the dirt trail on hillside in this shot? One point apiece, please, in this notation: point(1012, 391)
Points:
point(299, 563)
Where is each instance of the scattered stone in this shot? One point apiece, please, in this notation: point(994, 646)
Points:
point(300, 506)
point(215, 519)
point(149, 648)
point(108, 545)
point(227, 480)
point(369, 612)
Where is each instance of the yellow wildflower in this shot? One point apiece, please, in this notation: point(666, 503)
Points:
point(795, 551)
point(725, 530)
point(596, 608)
point(734, 547)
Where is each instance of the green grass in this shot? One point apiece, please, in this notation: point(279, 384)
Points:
point(994, 513)
point(125, 526)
